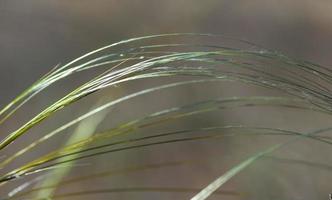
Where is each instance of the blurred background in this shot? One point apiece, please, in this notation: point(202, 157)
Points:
point(37, 35)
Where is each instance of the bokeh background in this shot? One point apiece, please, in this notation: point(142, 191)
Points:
point(37, 35)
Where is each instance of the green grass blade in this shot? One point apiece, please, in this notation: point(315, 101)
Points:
point(216, 184)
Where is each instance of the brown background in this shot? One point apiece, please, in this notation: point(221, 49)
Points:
point(36, 35)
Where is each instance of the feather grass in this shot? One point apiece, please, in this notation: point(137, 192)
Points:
point(307, 83)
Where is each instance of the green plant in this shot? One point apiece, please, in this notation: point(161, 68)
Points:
point(301, 85)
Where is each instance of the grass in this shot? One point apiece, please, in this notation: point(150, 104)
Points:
point(306, 86)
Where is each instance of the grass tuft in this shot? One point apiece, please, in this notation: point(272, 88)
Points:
point(300, 86)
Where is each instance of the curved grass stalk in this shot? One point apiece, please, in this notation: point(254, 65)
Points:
point(109, 79)
point(160, 75)
point(198, 108)
point(58, 73)
point(255, 130)
point(31, 167)
point(139, 189)
point(94, 85)
point(106, 174)
point(269, 100)
point(100, 175)
point(90, 113)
